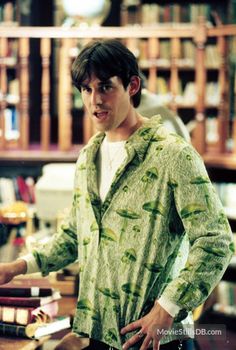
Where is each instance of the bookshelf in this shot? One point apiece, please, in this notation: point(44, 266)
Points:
point(151, 12)
point(167, 56)
point(168, 52)
point(187, 44)
point(9, 93)
point(175, 64)
point(177, 61)
point(222, 309)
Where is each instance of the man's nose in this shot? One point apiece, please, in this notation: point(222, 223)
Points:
point(96, 98)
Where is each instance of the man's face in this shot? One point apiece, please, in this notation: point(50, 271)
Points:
point(107, 102)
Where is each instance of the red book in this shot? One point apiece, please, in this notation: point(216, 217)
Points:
point(25, 315)
point(23, 189)
point(30, 301)
point(166, 14)
point(32, 287)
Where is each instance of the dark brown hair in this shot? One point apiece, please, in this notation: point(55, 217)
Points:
point(105, 59)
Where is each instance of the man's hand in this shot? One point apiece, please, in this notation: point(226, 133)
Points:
point(156, 319)
point(9, 270)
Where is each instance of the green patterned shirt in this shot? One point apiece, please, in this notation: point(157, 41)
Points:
point(131, 247)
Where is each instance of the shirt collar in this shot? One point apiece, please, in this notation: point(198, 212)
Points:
point(138, 141)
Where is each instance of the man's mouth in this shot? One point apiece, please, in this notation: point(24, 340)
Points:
point(101, 115)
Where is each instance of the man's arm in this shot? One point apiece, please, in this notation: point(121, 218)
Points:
point(208, 231)
point(211, 249)
point(9, 270)
point(59, 252)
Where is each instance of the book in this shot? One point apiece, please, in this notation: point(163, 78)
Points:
point(7, 192)
point(25, 315)
point(176, 13)
point(30, 301)
point(67, 287)
point(22, 287)
point(35, 330)
point(23, 189)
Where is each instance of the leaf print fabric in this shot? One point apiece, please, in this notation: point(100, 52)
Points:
point(129, 246)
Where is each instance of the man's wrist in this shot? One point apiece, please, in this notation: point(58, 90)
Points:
point(168, 305)
point(172, 309)
point(19, 267)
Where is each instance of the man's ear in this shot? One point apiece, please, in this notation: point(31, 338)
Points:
point(134, 85)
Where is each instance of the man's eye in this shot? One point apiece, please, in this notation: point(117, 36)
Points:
point(105, 88)
point(85, 89)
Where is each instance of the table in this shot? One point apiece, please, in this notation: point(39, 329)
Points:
point(9, 343)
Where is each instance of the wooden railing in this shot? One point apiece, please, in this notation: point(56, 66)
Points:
point(69, 38)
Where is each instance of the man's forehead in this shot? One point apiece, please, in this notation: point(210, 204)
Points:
point(96, 80)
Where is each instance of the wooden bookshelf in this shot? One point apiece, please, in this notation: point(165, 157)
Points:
point(164, 12)
point(32, 155)
point(217, 160)
point(152, 64)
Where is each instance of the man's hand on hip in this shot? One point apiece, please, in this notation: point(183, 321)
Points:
point(148, 326)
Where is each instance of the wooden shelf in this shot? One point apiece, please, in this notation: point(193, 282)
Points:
point(185, 105)
point(34, 154)
point(212, 67)
point(162, 31)
point(225, 160)
point(211, 106)
point(147, 64)
point(10, 62)
point(164, 64)
point(11, 343)
point(174, 66)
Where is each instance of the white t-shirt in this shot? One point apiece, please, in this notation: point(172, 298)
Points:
point(110, 157)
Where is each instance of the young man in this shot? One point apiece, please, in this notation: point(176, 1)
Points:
point(141, 196)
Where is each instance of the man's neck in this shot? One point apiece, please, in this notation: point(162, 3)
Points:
point(124, 132)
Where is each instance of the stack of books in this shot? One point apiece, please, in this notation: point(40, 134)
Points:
point(29, 309)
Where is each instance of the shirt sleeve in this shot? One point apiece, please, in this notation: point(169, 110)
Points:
point(32, 265)
point(168, 306)
point(208, 230)
point(61, 250)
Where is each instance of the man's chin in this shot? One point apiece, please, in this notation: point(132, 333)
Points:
point(101, 126)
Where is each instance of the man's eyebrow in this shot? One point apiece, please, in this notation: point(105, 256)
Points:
point(84, 85)
point(107, 81)
point(102, 82)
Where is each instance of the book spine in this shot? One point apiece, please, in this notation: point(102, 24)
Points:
point(26, 315)
point(12, 330)
point(23, 189)
point(34, 302)
point(25, 292)
point(19, 316)
point(15, 292)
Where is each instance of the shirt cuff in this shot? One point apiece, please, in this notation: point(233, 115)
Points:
point(32, 265)
point(168, 306)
